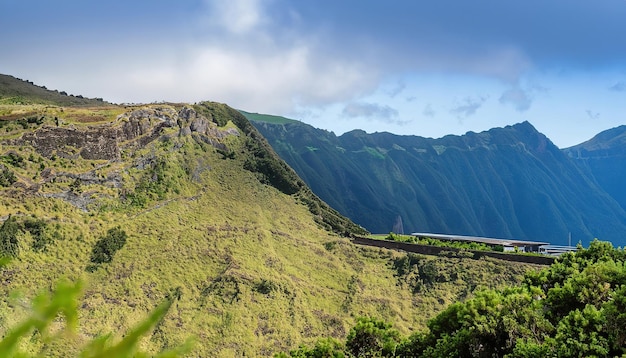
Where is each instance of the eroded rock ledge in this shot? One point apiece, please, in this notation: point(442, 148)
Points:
point(133, 129)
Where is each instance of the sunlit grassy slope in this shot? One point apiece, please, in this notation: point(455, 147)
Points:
point(267, 118)
point(258, 270)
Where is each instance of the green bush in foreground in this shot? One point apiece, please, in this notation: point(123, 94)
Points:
point(574, 308)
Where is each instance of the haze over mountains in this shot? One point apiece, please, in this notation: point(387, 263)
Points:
point(510, 182)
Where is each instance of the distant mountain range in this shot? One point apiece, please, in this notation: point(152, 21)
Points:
point(510, 182)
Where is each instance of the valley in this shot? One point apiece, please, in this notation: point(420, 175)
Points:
point(144, 202)
point(508, 183)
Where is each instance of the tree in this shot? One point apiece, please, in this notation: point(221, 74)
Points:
point(108, 245)
point(8, 237)
point(371, 337)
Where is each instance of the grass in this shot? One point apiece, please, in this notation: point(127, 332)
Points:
point(255, 271)
point(14, 91)
point(267, 118)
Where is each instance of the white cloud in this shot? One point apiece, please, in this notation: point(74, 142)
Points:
point(236, 16)
point(273, 82)
point(369, 110)
point(236, 55)
point(467, 107)
point(428, 111)
point(519, 98)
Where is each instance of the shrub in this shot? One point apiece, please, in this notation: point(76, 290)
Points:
point(108, 245)
point(8, 237)
point(13, 159)
point(7, 177)
point(266, 287)
point(37, 229)
point(324, 348)
point(372, 338)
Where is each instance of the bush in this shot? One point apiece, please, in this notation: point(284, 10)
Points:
point(8, 237)
point(324, 348)
point(7, 177)
point(371, 337)
point(266, 287)
point(108, 245)
point(37, 229)
point(13, 159)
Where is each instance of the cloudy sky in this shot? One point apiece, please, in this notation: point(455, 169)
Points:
point(427, 68)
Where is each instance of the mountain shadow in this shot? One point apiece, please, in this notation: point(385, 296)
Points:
point(510, 182)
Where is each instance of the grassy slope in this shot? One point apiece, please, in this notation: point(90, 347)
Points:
point(256, 271)
point(267, 118)
point(483, 184)
point(16, 91)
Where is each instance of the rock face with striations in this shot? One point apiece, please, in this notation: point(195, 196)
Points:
point(133, 129)
point(604, 157)
point(129, 132)
point(510, 182)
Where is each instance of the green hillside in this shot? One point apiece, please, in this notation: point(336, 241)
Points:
point(574, 308)
point(17, 91)
point(509, 182)
point(267, 118)
point(604, 157)
point(140, 203)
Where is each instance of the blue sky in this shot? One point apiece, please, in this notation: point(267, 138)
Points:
point(426, 68)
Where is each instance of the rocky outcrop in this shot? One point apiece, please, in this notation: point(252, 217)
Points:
point(111, 142)
point(133, 129)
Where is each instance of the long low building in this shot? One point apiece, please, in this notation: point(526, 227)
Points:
point(507, 244)
point(556, 250)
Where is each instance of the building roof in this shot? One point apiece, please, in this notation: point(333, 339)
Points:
point(484, 240)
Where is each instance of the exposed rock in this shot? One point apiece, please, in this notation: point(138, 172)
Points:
point(93, 143)
point(81, 201)
point(133, 129)
point(200, 125)
point(113, 180)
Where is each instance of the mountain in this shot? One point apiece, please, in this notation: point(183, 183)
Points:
point(604, 157)
point(189, 201)
point(507, 182)
point(17, 91)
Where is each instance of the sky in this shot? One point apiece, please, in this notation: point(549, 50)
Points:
point(426, 68)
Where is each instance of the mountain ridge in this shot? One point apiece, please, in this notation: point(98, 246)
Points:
point(144, 202)
point(509, 182)
point(604, 158)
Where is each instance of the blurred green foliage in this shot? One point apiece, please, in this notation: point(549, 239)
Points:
point(47, 307)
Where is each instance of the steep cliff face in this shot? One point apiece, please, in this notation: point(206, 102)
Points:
point(111, 148)
point(132, 129)
point(508, 182)
point(604, 157)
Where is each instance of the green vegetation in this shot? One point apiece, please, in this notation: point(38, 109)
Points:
point(250, 270)
point(267, 118)
point(18, 92)
point(574, 308)
point(443, 243)
point(108, 245)
point(261, 159)
point(7, 177)
point(46, 309)
point(12, 230)
point(9, 242)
